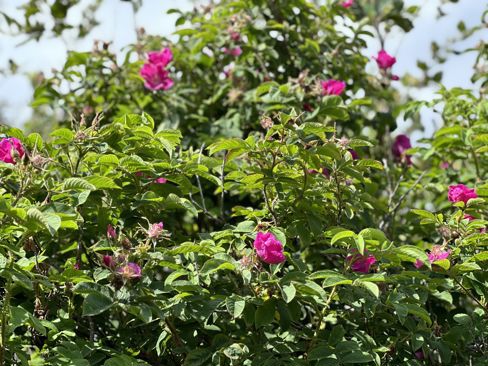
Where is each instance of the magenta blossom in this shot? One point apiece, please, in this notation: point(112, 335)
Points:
point(109, 261)
point(111, 233)
point(471, 218)
point(160, 180)
point(162, 58)
point(236, 51)
point(436, 254)
point(402, 143)
point(130, 270)
point(384, 60)
point(347, 4)
point(269, 249)
point(332, 87)
point(234, 35)
point(307, 107)
point(361, 263)
point(10, 149)
point(444, 165)
point(460, 193)
point(155, 230)
point(354, 154)
point(156, 77)
point(419, 354)
point(325, 172)
point(395, 77)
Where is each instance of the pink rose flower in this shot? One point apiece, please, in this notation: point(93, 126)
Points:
point(444, 165)
point(236, 51)
point(436, 254)
point(155, 230)
point(109, 261)
point(419, 354)
point(156, 77)
point(162, 58)
point(307, 107)
point(347, 4)
point(234, 35)
point(460, 193)
point(130, 270)
point(11, 149)
point(325, 172)
point(111, 233)
point(160, 180)
point(332, 87)
point(402, 144)
point(469, 217)
point(384, 60)
point(361, 263)
point(354, 154)
point(269, 249)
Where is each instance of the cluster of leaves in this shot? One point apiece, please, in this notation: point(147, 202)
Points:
point(234, 168)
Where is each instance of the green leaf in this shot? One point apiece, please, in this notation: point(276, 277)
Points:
point(214, 265)
point(370, 286)
point(443, 263)
point(465, 267)
point(342, 235)
point(49, 221)
point(356, 357)
point(101, 182)
point(411, 253)
point(62, 136)
point(288, 292)
point(235, 306)
point(424, 214)
point(197, 357)
point(265, 313)
point(78, 184)
point(228, 144)
point(96, 303)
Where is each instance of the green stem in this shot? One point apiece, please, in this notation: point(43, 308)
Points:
point(4, 316)
point(321, 318)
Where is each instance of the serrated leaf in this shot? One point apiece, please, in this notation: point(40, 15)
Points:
point(101, 182)
point(96, 303)
point(370, 286)
point(265, 313)
point(78, 183)
point(342, 235)
point(288, 292)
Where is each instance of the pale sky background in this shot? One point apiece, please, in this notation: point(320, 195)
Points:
point(119, 23)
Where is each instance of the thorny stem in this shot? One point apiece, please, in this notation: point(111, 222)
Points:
point(391, 215)
point(476, 164)
point(174, 332)
point(222, 194)
point(339, 198)
point(5, 309)
point(321, 318)
point(198, 180)
point(467, 292)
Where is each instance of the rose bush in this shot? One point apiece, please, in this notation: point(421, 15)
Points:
point(126, 241)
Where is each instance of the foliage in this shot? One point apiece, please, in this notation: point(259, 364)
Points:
point(87, 277)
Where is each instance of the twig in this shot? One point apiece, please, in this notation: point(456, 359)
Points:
point(467, 292)
point(198, 180)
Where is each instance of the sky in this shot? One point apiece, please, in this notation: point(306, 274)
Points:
point(119, 23)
